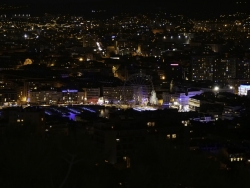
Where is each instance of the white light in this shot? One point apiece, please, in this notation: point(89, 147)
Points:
point(231, 87)
point(216, 88)
point(98, 45)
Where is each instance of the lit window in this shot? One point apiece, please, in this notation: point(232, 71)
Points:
point(168, 136)
point(41, 119)
point(18, 120)
point(149, 124)
point(173, 135)
point(118, 140)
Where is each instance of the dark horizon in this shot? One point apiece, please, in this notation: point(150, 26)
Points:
point(192, 8)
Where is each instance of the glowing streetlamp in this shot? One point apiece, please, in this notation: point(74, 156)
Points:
point(216, 88)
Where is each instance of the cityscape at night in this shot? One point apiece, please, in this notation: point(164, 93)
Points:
point(109, 94)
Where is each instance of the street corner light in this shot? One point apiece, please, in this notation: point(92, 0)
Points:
point(80, 59)
point(216, 88)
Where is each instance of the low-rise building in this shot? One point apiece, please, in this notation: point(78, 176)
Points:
point(230, 112)
point(53, 96)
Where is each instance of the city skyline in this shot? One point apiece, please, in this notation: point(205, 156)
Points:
point(123, 95)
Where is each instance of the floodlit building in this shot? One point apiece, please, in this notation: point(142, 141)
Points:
point(181, 100)
point(243, 89)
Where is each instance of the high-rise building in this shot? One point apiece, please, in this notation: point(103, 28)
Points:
point(243, 69)
point(217, 69)
point(202, 67)
point(224, 69)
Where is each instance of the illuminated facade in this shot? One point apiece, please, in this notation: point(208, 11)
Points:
point(181, 100)
point(202, 67)
point(56, 97)
point(243, 89)
point(92, 95)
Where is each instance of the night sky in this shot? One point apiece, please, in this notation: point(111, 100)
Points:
point(204, 7)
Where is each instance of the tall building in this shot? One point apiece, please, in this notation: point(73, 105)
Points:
point(202, 67)
point(224, 69)
point(243, 69)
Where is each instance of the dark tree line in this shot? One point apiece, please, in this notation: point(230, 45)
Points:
point(28, 160)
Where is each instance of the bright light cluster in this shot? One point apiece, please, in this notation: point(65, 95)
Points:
point(146, 108)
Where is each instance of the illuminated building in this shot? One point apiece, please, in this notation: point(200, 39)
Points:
point(8, 97)
point(48, 97)
point(243, 89)
point(43, 97)
point(194, 104)
point(181, 100)
point(91, 95)
point(219, 70)
point(202, 67)
point(112, 94)
point(72, 96)
point(224, 69)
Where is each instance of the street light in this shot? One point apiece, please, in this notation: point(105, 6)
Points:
point(216, 88)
